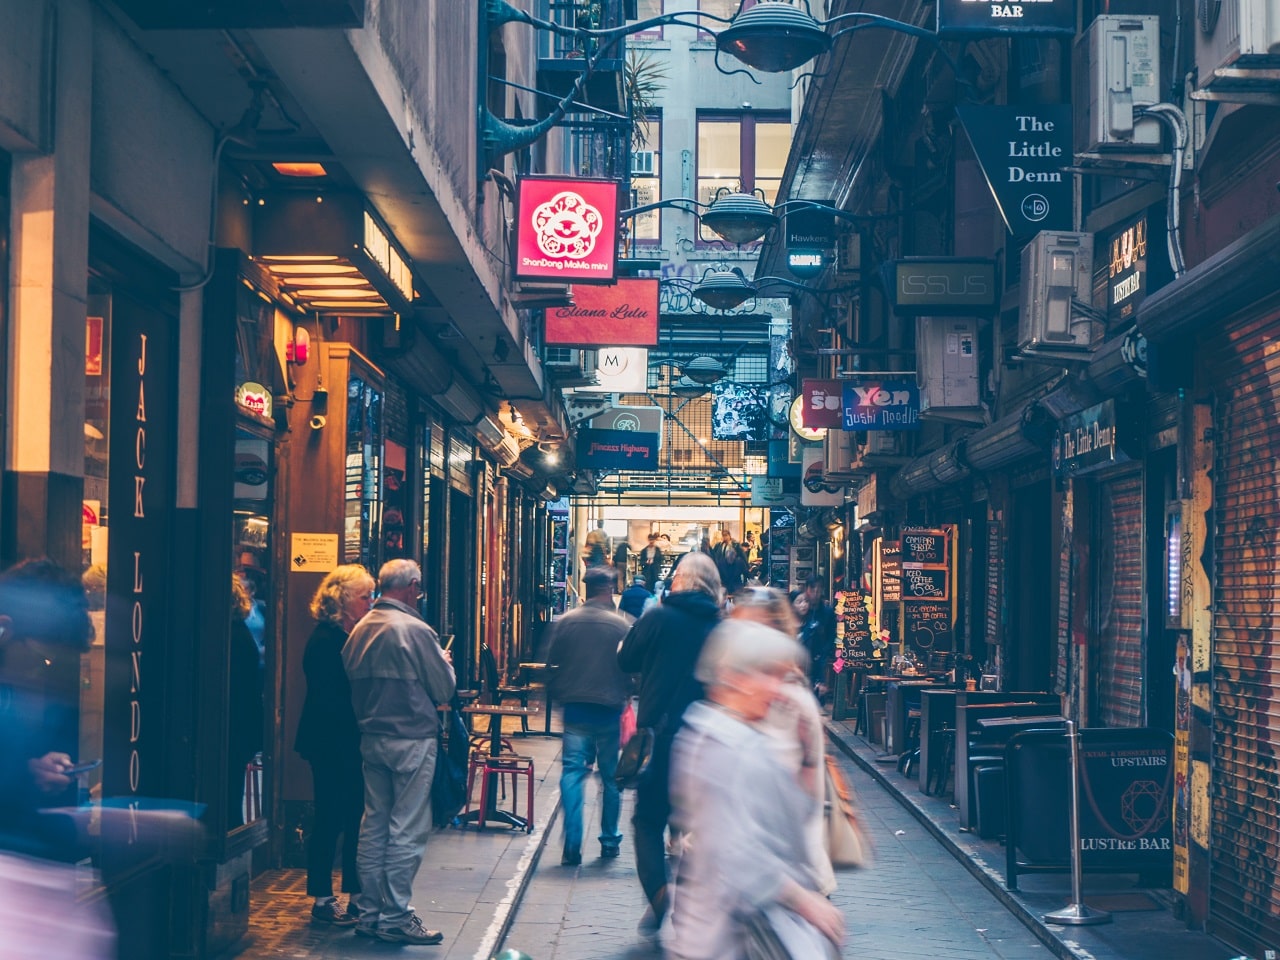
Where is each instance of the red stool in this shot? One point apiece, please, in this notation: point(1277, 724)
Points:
point(505, 765)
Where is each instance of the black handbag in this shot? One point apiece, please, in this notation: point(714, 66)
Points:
point(634, 760)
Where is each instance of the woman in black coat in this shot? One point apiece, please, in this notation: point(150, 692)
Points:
point(329, 740)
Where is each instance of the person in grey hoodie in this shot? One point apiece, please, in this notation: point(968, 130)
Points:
point(399, 675)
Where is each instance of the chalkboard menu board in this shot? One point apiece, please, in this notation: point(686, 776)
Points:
point(926, 626)
point(890, 572)
point(924, 547)
point(926, 584)
point(853, 630)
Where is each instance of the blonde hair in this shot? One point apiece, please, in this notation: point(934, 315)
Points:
point(766, 605)
point(337, 589)
point(697, 573)
point(744, 646)
point(240, 602)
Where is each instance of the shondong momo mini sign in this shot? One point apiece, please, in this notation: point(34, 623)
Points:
point(567, 230)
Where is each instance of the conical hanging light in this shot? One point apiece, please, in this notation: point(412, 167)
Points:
point(724, 289)
point(739, 217)
point(703, 370)
point(774, 37)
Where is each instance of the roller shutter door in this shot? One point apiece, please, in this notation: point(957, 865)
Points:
point(1120, 601)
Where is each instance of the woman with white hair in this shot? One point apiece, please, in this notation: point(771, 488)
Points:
point(744, 862)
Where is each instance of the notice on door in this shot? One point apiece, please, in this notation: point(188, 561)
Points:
point(313, 552)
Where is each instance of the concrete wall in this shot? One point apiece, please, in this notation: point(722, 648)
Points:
point(26, 28)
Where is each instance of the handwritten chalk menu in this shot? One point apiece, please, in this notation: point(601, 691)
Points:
point(853, 629)
point(928, 606)
point(890, 571)
point(924, 548)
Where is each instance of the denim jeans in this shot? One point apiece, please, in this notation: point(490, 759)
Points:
point(397, 819)
point(583, 745)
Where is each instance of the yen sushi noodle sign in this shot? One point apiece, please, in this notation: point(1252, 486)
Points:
point(567, 230)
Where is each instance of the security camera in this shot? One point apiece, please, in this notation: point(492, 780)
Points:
point(318, 421)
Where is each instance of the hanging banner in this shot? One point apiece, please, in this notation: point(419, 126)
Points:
point(566, 230)
point(881, 405)
point(1020, 17)
point(815, 492)
point(1023, 152)
point(738, 412)
point(623, 315)
point(823, 403)
point(617, 450)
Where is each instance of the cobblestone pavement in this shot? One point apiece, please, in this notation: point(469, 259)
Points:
point(916, 901)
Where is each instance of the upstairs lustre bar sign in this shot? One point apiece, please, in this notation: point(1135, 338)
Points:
point(617, 450)
point(623, 315)
point(1006, 16)
point(567, 230)
point(1023, 152)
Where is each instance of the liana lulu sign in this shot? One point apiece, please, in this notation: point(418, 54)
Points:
point(1023, 152)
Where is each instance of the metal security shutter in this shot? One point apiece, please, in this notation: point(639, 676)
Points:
point(1120, 601)
point(1244, 897)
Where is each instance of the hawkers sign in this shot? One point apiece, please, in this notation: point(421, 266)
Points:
point(623, 315)
point(567, 230)
point(932, 286)
point(1006, 16)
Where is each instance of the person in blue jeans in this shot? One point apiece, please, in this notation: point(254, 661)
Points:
point(586, 680)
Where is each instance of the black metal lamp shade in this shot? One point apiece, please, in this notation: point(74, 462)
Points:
point(774, 37)
point(739, 217)
point(703, 370)
point(723, 289)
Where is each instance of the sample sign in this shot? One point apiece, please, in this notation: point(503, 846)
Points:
point(623, 315)
point(941, 286)
point(617, 450)
point(1022, 17)
point(810, 234)
point(823, 403)
point(1023, 152)
point(1085, 441)
point(738, 412)
point(881, 405)
point(313, 552)
point(567, 230)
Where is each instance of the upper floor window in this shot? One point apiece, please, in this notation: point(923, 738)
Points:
point(719, 8)
point(646, 178)
point(741, 152)
point(645, 10)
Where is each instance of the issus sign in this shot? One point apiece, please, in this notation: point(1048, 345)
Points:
point(567, 230)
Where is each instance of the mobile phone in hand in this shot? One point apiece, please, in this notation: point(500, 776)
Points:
point(80, 768)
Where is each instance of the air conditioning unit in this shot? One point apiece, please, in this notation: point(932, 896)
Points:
point(644, 163)
point(1057, 275)
point(839, 455)
point(882, 443)
point(947, 364)
point(1238, 50)
point(1117, 71)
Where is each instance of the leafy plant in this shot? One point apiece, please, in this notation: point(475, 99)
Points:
point(644, 80)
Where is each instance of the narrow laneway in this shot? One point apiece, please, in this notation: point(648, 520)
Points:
point(917, 900)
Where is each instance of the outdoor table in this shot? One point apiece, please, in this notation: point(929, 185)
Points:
point(527, 668)
point(495, 713)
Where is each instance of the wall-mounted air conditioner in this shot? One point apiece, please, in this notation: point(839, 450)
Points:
point(1057, 274)
point(839, 454)
point(1117, 71)
point(881, 443)
point(947, 364)
point(1238, 50)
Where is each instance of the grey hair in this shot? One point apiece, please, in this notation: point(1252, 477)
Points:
point(744, 646)
point(697, 572)
point(397, 574)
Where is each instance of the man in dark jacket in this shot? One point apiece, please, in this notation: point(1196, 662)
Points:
point(817, 632)
point(586, 679)
point(731, 563)
point(634, 598)
point(651, 560)
point(663, 648)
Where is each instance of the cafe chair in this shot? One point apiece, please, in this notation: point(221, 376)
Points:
point(496, 692)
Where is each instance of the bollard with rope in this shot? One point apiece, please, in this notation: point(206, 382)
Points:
point(1077, 913)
